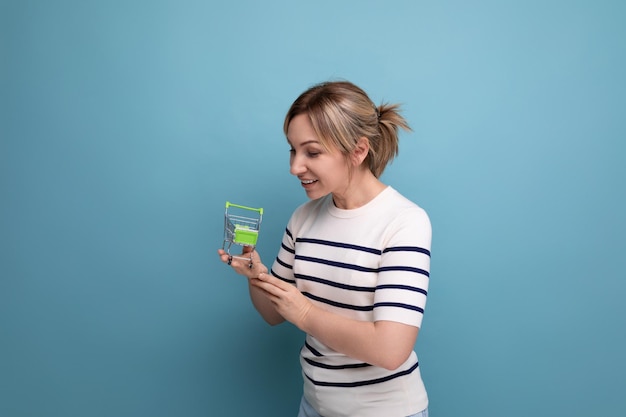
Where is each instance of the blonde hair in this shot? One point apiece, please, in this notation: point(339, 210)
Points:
point(341, 113)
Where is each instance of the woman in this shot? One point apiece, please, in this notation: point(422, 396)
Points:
point(353, 268)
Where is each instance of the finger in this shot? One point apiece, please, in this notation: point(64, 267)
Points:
point(276, 288)
point(238, 264)
point(223, 255)
point(270, 279)
point(270, 289)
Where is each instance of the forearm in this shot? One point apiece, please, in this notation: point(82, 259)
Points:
point(385, 344)
point(264, 306)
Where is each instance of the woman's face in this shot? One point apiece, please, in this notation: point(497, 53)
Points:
point(320, 171)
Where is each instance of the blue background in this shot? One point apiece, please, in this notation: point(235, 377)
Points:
point(126, 125)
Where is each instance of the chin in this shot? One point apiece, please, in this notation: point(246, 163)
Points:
point(314, 195)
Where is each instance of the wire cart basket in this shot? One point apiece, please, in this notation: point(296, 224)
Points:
point(241, 228)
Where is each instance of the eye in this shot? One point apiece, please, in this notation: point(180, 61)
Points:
point(313, 154)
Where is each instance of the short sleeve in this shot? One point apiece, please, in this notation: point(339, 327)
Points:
point(404, 273)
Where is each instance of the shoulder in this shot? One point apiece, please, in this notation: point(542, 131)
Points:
point(401, 207)
point(308, 209)
point(407, 221)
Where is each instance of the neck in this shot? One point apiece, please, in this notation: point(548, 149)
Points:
point(362, 189)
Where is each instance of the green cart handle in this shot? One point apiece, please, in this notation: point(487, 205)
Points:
point(259, 210)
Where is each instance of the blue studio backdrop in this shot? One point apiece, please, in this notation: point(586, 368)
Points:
point(125, 126)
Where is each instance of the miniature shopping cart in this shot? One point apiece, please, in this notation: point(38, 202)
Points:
point(241, 228)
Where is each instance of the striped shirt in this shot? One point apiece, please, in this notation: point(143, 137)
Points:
point(371, 263)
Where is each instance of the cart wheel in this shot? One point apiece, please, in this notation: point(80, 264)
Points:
point(230, 259)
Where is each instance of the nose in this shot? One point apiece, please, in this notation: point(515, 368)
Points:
point(296, 165)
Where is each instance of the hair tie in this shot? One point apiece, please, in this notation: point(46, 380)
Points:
point(377, 112)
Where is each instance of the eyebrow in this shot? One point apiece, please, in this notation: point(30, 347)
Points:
point(308, 142)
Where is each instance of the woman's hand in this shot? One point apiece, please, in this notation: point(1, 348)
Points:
point(260, 298)
point(245, 267)
point(288, 301)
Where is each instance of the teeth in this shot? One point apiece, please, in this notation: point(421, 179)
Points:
point(308, 181)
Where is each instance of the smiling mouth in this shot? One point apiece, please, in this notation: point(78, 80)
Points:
point(307, 182)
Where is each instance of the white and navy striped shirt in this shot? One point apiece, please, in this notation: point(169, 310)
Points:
point(371, 263)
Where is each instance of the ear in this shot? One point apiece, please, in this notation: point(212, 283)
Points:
point(360, 151)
